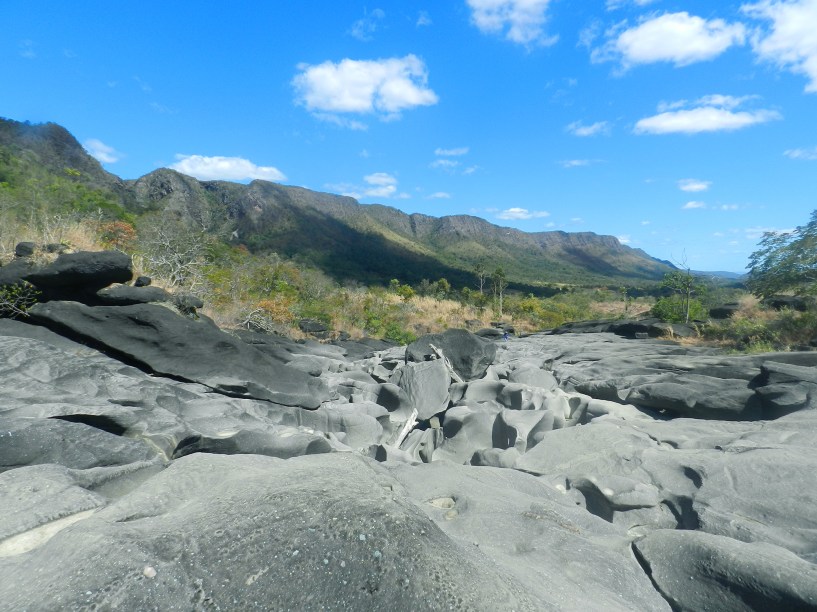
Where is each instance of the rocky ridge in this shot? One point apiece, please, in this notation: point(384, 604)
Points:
point(149, 460)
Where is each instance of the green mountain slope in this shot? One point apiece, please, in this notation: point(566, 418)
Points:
point(348, 240)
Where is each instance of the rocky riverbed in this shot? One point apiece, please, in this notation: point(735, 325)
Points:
point(149, 460)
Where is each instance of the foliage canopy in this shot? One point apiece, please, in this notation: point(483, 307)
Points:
point(786, 261)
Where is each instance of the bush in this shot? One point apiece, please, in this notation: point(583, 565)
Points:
point(15, 300)
point(673, 309)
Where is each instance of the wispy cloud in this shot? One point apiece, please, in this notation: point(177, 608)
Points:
point(807, 154)
point(101, 152)
point(693, 205)
point(522, 214)
point(27, 49)
point(577, 128)
point(693, 185)
point(162, 109)
point(364, 28)
point(423, 19)
point(715, 113)
point(451, 152)
point(445, 164)
point(224, 168)
point(756, 233)
point(578, 163)
point(380, 185)
point(625, 239)
point(617, 4)
point(146, 87)
point(383, 87)
point(520, 21)
point(791, 42)
point(443, 161)
point(439, 195)
point(677, 38)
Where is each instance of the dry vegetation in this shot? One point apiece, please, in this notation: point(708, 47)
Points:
point(273, 294)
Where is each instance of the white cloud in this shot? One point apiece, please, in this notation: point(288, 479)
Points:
point(522, 213)
point(808, 154)
point(693, 185)
point(470, 170)
point(383, 87)
point(27, 49)
point(445, 164)
point(377, 185)
point(162, 109)
point(679, 38)
point(617, 4)
point(729, 207)
point(224, 168)
point(575, 163)
point(423, 19)
point(577, 128)
point(101, 152)
point(624, 239)
point(756, 233)
point(451, 152)
point(714, 113)
point(693, 205)
point(792, 41)
point(364, 28)
point(646, 222)
point(344, 122)
point(521, 21)
point(439, 195)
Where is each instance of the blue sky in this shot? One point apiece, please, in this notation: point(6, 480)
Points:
point(683, 128)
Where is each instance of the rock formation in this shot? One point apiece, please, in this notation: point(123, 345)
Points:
point(149, 460)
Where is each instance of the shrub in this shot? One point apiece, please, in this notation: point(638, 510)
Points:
point(673, 309)
point(15, 300)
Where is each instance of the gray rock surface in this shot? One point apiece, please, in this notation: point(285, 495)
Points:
point(469, 354)
point(699, 571)
point(156, 338)
point(580, 471)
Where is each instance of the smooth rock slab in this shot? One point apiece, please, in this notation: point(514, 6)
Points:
point(86, 270)
point(563, 555)
point(166, 343)
point(257, 533)
point(469, 354)
point(698, 571)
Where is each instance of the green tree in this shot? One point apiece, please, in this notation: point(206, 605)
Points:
point(499, 282)
point(786, 261)
point(685, 284)
point(481, 272)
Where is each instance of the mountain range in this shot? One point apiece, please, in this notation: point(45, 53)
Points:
point(346, 239)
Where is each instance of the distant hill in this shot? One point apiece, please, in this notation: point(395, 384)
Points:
point(348, 240)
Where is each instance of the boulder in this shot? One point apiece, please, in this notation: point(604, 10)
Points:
point(156, 338)
point(312, 326)
point(16, 271)
point(792, 302)
point(697, 396)
point(83, 270)
point(469, 355)
point(125, 295)
point(699, 571)
point(25, 249)
point(425, 385)
point(724, 311)
point(226, 532)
